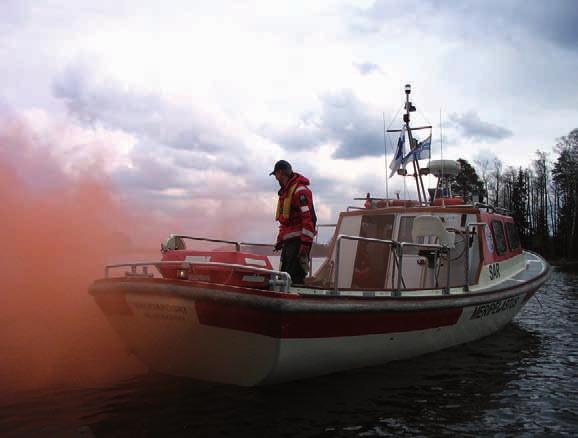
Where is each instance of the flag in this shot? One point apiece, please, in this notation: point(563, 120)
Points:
point(399, 153)
point(408, 157)
point(421, 152)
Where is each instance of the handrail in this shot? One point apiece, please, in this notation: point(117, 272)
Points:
point(237, 244)
point(256, 244)
point(207, 239)
point(398, 257)
point(187, 264)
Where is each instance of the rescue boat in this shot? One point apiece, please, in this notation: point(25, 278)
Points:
point(398, 280)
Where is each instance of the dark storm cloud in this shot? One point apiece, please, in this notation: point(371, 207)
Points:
point(344, 120)
point(348, 122)
point(470, 125)
point(555, 21)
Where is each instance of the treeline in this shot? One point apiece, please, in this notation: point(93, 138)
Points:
point(542, 198)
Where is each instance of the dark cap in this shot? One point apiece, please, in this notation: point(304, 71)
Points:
point(281, 165)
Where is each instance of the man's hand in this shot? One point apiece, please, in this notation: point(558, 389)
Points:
point(278, 246)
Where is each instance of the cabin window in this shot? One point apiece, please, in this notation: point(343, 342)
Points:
point(371, 259)
point(513, 236)
point(498, 229)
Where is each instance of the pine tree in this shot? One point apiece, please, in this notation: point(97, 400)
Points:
point(519, 206)
point(467, 182)
point(565, 176)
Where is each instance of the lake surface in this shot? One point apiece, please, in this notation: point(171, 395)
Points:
point(522, 381)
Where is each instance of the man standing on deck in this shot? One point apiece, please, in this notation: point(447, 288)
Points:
point(297, 220)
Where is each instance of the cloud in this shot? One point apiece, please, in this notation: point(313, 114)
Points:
point(185, 162)
point(151, 170)
point(97, 99)
point(366, 68)
point(175, 140)
point(554, 22)
point(473, 128)
point(344, 120)
point(13, 16)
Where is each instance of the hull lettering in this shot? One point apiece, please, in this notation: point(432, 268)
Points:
point(498, 306)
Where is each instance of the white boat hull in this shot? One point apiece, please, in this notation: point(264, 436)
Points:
point(233, 337)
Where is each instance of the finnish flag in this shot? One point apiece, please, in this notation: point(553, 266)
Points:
point(423, 150)
point(399, 153)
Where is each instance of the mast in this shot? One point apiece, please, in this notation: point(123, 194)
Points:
point(409, 107)
point(417, 171)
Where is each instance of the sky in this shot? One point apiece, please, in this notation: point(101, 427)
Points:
point(184, 107)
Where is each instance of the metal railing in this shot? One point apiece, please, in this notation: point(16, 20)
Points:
point(398, 249)
point(237, 244)
point(282, 279)
point(165, 247)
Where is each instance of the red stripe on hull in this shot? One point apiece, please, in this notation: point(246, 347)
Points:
point(321, 325)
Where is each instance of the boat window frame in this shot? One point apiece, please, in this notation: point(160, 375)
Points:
point(512, 225)
point(497, 243)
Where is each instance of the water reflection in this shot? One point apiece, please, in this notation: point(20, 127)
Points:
point(430, 394)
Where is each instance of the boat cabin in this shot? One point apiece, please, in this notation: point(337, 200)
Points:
point(432, 247)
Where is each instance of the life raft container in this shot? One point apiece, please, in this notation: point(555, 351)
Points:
point(217, 274)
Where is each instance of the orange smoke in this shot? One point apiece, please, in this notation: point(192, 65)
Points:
point(57, 233)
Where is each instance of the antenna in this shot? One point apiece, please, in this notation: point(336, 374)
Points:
point(441, 146)
point(385, 146)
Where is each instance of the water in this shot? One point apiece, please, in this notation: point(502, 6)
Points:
point(522, 381)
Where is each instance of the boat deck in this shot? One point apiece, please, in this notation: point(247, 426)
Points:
point(535, 267)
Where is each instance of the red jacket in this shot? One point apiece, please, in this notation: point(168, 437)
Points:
point(295, 211)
